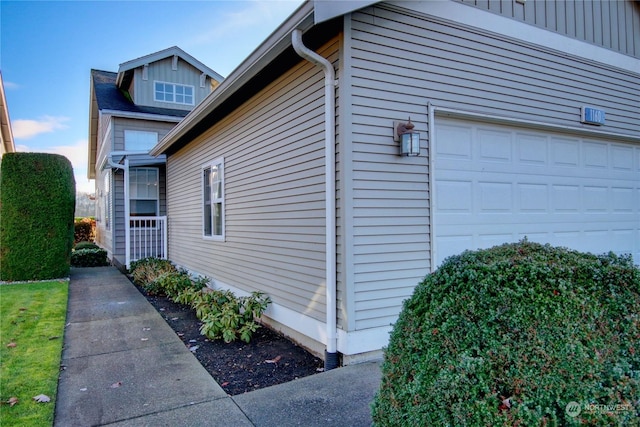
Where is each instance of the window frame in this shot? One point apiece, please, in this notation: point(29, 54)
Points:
point(132, 216)
point(173, 92)
point(219, 163)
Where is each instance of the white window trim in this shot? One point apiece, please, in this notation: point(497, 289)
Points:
point(208, 165)
point(193, 96)
point(157, 198)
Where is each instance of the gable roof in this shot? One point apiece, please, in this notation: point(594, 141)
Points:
point(110, 98)
point(267, 61)
point(125, 71)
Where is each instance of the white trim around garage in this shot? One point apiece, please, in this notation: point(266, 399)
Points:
point(621, 141)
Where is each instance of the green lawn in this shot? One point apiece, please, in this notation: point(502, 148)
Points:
point(32, 317)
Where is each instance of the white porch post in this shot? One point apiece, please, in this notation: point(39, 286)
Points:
point(127, 208)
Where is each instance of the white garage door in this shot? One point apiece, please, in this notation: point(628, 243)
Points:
point(496, 184)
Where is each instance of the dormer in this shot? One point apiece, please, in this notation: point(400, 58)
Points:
point(170, 78)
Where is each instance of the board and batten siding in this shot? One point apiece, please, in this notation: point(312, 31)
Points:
point(186, 74)
point(273, 150)
point(612, 24)
point(400, 61)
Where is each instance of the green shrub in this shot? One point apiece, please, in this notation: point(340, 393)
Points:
point(510, 336)
point(89, 257)
point(86, 245)
point(84, 229)
point(174, 283)
point(145, 271)
point(37, 204)
point(228, 317)
point(223, 315)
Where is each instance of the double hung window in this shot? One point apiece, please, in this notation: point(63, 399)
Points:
point(213, 199)
point(143, 192)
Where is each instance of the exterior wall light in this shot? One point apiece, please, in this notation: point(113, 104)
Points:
point(408, 138)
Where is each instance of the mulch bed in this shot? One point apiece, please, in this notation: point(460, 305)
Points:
point(238, 367)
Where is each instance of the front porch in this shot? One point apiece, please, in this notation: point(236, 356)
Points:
point(137, 202)
point(146, 236)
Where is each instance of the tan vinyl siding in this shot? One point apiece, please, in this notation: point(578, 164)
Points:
point(186, 74)
point(612, 24)
point(273, 149)
point(400, 61)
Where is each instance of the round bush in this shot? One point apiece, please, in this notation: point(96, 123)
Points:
point(514, 335)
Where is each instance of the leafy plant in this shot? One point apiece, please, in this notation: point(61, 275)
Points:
point(511, 336)
point(147, 270)
point(229, 317)
point(223, 314)
point(174, 283)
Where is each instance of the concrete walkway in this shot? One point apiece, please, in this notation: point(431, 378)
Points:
point(124, 366)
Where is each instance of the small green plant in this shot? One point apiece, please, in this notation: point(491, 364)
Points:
point(89, 258)
point(229, 317)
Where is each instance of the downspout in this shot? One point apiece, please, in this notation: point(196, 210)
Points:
point(331, 353)
point(127, 234)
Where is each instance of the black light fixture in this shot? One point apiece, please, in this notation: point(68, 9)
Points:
point(408, 138)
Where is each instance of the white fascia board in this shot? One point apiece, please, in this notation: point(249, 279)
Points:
point(275, 44)
point(163, 54)
point(478, 18)
point(142, 116)
point(325, 10)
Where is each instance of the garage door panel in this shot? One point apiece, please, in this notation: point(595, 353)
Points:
point(499, 183)
point(565, 152)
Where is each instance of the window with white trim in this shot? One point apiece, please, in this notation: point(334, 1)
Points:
point(173, 92)
point(139, 140)
point(213, 199)
point(143, 192)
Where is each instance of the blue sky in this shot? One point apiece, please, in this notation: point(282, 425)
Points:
point(47, 49)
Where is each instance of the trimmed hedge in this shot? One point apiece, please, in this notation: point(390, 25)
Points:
point(513, 335)
point(89, 257)
point(37, 203)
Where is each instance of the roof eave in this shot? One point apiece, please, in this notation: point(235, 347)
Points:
point(275, 44)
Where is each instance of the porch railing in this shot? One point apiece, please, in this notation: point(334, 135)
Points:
point(147, 237)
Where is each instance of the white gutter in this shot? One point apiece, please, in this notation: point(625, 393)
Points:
point(142, 116)
point(127, 225)
point(331, 359)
